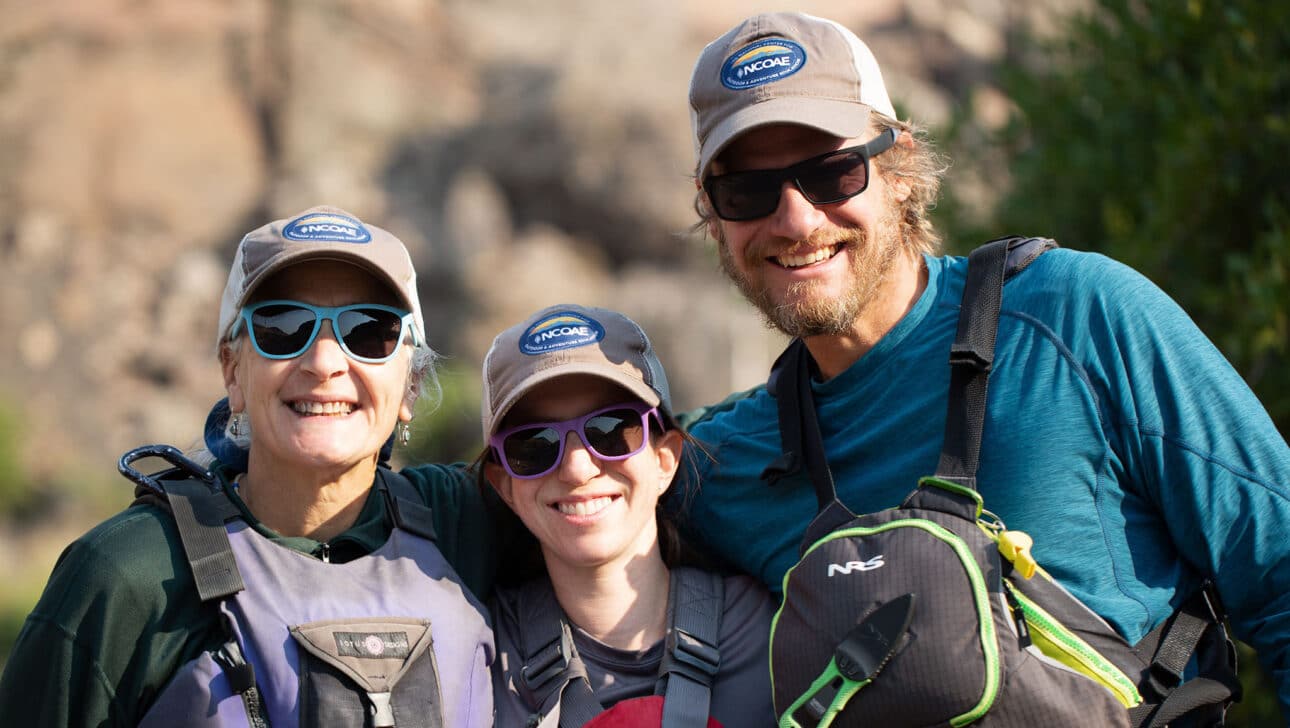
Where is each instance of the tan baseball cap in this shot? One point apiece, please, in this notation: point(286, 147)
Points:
point(319, 233)
point(570, 339)
point(783, 68)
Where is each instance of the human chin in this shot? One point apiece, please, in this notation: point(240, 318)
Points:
point(796, 307)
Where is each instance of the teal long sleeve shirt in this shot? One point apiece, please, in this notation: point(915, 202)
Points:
point(1116, 435)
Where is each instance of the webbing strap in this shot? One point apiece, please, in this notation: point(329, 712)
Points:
point(200, 514)
point(551, 672)
point(972, 354)
point(691, 658)
point(1196, 629)
point(801, 440)
point(405, 504)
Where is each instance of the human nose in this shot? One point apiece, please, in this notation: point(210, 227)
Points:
point(796, 217)
point(324, 357)
point(579, 464)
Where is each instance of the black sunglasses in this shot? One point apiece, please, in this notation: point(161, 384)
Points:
point(830, 177)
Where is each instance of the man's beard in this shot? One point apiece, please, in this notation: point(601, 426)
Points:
point(805, 310)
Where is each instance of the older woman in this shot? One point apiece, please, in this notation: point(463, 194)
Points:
point(581, 446)
point(305, 588)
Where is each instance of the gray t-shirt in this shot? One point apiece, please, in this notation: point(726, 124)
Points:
point(741, 694)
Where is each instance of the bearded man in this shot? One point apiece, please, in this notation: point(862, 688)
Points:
point(1115, 434)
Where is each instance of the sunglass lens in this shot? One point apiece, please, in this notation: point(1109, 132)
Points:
point(370, 333)
point(615, 433)
point(282, 330)
point(531, 451)
point(745, 195)
point(834, 178)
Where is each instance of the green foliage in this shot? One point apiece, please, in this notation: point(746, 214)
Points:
point(446, 428)
point(1259, 705)
point(1158, 132)
point(15, 488)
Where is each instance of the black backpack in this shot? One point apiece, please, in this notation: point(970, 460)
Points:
point(934, 614)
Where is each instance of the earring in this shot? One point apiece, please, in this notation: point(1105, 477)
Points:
point(235, 424)
point(405, 432)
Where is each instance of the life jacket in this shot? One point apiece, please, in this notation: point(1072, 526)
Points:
point(553, 679)
point(933, 613)
point(388, 640)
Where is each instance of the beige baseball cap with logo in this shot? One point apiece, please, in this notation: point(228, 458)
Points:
point(570, 339)
point(783, 68)
point(319, 233)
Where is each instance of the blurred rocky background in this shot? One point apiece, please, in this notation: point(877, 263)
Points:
point(527, 151)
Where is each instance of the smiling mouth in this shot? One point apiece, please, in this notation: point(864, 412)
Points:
point(322, 408)
point(584, 507)
point(808, 258)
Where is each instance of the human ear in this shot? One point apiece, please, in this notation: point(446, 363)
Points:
point(497, 477)
point(229, 360)
point(668, 449)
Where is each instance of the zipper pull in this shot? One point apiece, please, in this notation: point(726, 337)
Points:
point(324, 552)
point(1018, 616)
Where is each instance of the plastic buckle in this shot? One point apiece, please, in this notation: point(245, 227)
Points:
point(690, 656)
point(966, 355)
point(548, 664)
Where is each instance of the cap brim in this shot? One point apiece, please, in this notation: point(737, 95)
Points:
point(636, 387)
point(841, 118)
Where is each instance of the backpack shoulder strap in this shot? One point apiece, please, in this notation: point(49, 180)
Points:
point(691, 657)
point(972, 354)
point(801, 440)
point(200, 510)
point(551, 672)
point(1195, 629)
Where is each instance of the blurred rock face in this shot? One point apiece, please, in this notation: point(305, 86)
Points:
point(527, 152)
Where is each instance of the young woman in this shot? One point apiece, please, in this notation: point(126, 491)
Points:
point(581, 445)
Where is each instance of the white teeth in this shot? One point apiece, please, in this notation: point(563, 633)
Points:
point(815, 256)
point(322, 408)
point(585, 507)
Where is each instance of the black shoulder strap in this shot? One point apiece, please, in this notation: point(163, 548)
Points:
point(200, 514)
point(1195, 629)
point(405, 504)
point(972, 354)
point(800, 438)
point(551, 672)
point(691, 657)
point(200, 510)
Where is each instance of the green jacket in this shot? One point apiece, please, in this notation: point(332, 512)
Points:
point(120, 614)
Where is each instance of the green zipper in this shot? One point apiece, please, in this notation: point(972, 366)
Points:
point(1050, 636)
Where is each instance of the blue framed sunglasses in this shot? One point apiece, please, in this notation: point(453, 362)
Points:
point(367, 332)
point(614, 433)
